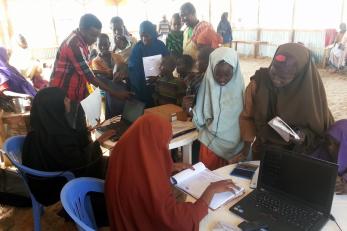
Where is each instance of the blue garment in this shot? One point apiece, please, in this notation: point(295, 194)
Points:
point(224, 29)
point(137, 79)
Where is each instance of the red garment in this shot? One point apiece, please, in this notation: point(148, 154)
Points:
point(71, 70)
point(210, 159)
point(138, 189)
point(330, 35)
point(209, 37)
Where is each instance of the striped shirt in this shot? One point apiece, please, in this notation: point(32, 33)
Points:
point(71, 70)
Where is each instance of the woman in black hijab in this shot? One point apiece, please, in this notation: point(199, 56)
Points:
point(60, 141)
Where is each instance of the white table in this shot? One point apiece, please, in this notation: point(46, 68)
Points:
point(185, 141)
point(339, 207)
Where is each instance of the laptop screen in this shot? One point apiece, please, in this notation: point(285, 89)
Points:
point(299, 177)
point(133, 109)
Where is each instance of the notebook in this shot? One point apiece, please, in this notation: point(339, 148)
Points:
point(194, 182)
point(294, 192)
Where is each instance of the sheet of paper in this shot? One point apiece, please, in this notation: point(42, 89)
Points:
point(183, 175)
point(92, 107)
point(15, 94)
point(151, 65)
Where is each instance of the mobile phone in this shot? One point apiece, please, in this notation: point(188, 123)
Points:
point(244, 170)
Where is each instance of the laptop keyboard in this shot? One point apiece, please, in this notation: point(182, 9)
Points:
point(120, 129)
point(302, 218)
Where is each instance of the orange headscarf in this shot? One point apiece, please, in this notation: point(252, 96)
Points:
point(137, 188)
point(210, 38)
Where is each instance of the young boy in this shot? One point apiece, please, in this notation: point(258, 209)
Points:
point(174, 40)
point(104, 62)
point(185, 64)
point(193, 80)
point(123, 47)
point(168, 89)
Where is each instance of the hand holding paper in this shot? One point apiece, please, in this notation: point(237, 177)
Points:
point(92, 107)
point(283, 129)
point(151, 65)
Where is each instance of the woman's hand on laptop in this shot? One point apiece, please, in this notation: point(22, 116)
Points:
point(107, 135)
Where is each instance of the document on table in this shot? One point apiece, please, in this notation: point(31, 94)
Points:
point(151, 65)
point(92, 107)
point(194, 182)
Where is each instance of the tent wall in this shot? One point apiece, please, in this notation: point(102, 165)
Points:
point(313, 39)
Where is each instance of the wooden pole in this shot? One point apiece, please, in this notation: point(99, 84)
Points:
point(230, 9)
point(342, 11)
point(209, 11)
point(53, 23)
point(292, 36)
point(7, 29)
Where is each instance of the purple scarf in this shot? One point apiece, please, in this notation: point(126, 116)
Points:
point(16, 82)
point(339, 132)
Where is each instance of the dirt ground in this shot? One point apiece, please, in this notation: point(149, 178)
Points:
point(13, 219)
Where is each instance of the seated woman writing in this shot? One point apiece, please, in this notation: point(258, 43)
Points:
point(138, 190)
point(218, 106)
point(292, 89)
point(60, 141)
point(11, 79)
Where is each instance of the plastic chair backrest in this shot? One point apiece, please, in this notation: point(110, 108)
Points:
point(76, 201)
point(13, 148)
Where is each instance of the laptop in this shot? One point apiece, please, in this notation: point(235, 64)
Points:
point(133, 109)
point(294, 192)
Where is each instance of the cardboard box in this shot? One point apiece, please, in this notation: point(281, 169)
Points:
point(167, 111)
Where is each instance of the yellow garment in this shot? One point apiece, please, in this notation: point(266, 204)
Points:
point(89, 88)
point(189, 47)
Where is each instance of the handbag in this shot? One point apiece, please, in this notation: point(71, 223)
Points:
point(13, 190)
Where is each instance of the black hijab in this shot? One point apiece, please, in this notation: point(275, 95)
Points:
point(57, 139)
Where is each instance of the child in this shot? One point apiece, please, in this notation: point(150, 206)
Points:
point(185, 64)
point(104, 62)
point(217, 110)
point(168, 89)
point(115, 106)
point(193, 79)
point(123, 47)
point(174, 41)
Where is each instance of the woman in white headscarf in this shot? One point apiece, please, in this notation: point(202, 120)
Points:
point(218, 106)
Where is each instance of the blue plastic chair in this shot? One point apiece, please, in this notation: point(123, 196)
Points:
point(13, 151)
point(77, 203)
